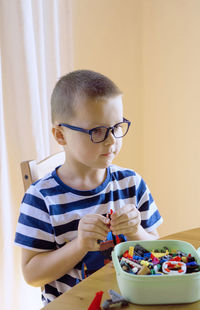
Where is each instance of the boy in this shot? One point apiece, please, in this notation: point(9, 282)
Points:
point(63, 215)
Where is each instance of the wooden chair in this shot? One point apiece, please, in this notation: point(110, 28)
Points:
point(33, 171)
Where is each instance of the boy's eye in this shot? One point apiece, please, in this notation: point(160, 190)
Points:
point(99, 131)
point(118, 127)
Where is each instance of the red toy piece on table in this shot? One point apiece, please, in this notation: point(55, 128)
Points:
point(95, 305)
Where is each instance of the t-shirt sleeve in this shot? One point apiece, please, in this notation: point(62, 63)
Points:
point(150, 216)
point(34, 230)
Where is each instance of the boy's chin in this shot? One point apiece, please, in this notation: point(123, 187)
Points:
point(104, 165)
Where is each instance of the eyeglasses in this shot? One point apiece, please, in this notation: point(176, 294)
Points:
point(99, 134)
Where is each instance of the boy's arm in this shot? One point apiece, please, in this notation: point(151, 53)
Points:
point(40, 268)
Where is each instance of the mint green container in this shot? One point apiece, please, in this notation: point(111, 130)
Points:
point(163, 289)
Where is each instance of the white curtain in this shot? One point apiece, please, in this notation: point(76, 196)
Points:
point(35, 50)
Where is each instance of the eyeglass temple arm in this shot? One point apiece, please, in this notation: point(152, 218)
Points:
point(75, 128)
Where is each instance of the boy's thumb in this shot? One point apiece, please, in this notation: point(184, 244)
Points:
point(107, 221)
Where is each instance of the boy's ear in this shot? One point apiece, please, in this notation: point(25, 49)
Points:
point(58, 135)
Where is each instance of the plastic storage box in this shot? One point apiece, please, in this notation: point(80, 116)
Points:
point(162, 289)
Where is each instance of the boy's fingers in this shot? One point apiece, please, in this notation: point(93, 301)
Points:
point(91, 228)
point(94, 226)
point(124, 210)
point(125, 217)
point(125, 230)
point(134, 222)
point(96, 218)
point(86, 234)
point(126, 225)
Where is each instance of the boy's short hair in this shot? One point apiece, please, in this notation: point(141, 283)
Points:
point(77, 86)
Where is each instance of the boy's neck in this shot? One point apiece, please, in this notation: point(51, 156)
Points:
point(84, 179)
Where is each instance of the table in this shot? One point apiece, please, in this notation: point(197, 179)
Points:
point(81, 296)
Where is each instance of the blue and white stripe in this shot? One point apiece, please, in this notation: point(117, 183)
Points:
point(51, 210)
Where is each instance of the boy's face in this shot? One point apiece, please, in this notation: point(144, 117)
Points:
point(80, 150)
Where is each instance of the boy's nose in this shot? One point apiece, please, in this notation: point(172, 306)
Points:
point(110, 138)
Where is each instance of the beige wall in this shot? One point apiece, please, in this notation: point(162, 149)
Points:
point(171, 96)
point(151, 49)
point(107, 40)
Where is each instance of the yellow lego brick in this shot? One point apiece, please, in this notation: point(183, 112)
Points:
point(131, 250)
point(158, 255)
point(144, 263)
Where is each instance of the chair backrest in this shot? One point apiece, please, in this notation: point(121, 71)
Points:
point(33, 171)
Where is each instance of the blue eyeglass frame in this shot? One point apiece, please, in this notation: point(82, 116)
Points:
point(89, 131)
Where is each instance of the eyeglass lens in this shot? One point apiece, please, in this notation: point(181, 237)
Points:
point(99, 133)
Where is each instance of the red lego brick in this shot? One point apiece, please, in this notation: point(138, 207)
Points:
point(95, 305)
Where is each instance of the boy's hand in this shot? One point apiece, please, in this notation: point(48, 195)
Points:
point(126, 221)
point(91, 228)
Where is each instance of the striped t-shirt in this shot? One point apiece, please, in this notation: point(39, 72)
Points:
point(50, 212)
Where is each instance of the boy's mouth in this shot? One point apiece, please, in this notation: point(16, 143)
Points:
point(107, 154)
